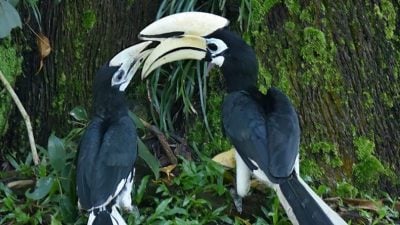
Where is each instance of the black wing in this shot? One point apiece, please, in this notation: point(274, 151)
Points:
point(265, 136)
point(109, 166)
point(89, 148)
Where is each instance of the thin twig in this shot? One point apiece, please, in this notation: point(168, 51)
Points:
point(163, 140)
point(25, 115)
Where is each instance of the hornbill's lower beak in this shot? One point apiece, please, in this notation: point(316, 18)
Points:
point(174, 49)
point(128, 61)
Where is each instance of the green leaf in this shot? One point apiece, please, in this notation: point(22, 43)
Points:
point(55, 221)
point(136, 120)
point(149, 158)
point(162, 206)
point(57, 154)
point(67, 209)
point(9, 18)
point(141, 189)
point(43, 187)
point(79, 113)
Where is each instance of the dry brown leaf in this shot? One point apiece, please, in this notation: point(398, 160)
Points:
point(44, 48)
point(364, 204)
point(168, 170)
point(259, 185)
point(226, 158)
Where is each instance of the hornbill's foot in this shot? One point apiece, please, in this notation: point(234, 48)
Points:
point(237, 200)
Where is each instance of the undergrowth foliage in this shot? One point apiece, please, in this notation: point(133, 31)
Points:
point(199, 191)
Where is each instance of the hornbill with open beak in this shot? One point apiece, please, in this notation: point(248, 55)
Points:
point(108, 148)
point(264, 128)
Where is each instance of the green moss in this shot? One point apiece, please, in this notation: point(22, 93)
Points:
point(306, 16)
point(387, 12)
point(328, 152)
point(310, 168)
point(368, 100)
point(293, 6)
point(318, 56)
point(10, 66)
point(259, 8)
point(368, 168)
point(346, 190)
point(89, 19)
point(264, 78)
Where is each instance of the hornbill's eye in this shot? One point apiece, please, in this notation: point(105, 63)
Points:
point(213, 47)
point(120, 74)
point(216, 46)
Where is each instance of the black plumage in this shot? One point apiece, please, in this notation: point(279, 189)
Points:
point(107, 151)
point(264, 128)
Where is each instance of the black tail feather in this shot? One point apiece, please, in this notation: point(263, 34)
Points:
point(306, 209)
point(103, 218)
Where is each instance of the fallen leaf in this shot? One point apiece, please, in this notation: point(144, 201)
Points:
point(168, 170)
point(44, 49)
point(364, 204)
point(259, 185)
point(226, 158)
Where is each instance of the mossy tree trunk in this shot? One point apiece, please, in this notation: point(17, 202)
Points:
point(339, 61)
point(83, 35)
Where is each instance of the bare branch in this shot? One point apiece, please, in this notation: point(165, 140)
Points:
point(163, 140)
point(25, 115)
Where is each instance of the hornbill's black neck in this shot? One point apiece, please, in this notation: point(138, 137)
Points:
point(109, 102)
point(240, 67)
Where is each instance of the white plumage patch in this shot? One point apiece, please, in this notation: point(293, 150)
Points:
point(242, 176)
point(123, 201)
point(123, 194)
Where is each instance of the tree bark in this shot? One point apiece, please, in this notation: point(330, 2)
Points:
point(339, 63)
point(83, 35)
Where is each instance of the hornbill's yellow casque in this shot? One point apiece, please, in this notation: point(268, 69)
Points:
point(108, 149)
point(263, 128)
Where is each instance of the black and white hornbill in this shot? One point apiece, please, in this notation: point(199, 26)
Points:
point(263, 128)
point(108, 148)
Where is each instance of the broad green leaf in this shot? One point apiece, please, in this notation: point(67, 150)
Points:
point(149, 158)
point(79, 113)
point(57, 154)
point(43, 186)
point(9, 18)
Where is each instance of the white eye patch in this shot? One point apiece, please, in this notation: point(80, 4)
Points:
point(120, 78)
point(215, 46)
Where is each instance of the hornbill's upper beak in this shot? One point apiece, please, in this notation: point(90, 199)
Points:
point(181, 36)
point(128, 61)
point(186, 23)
